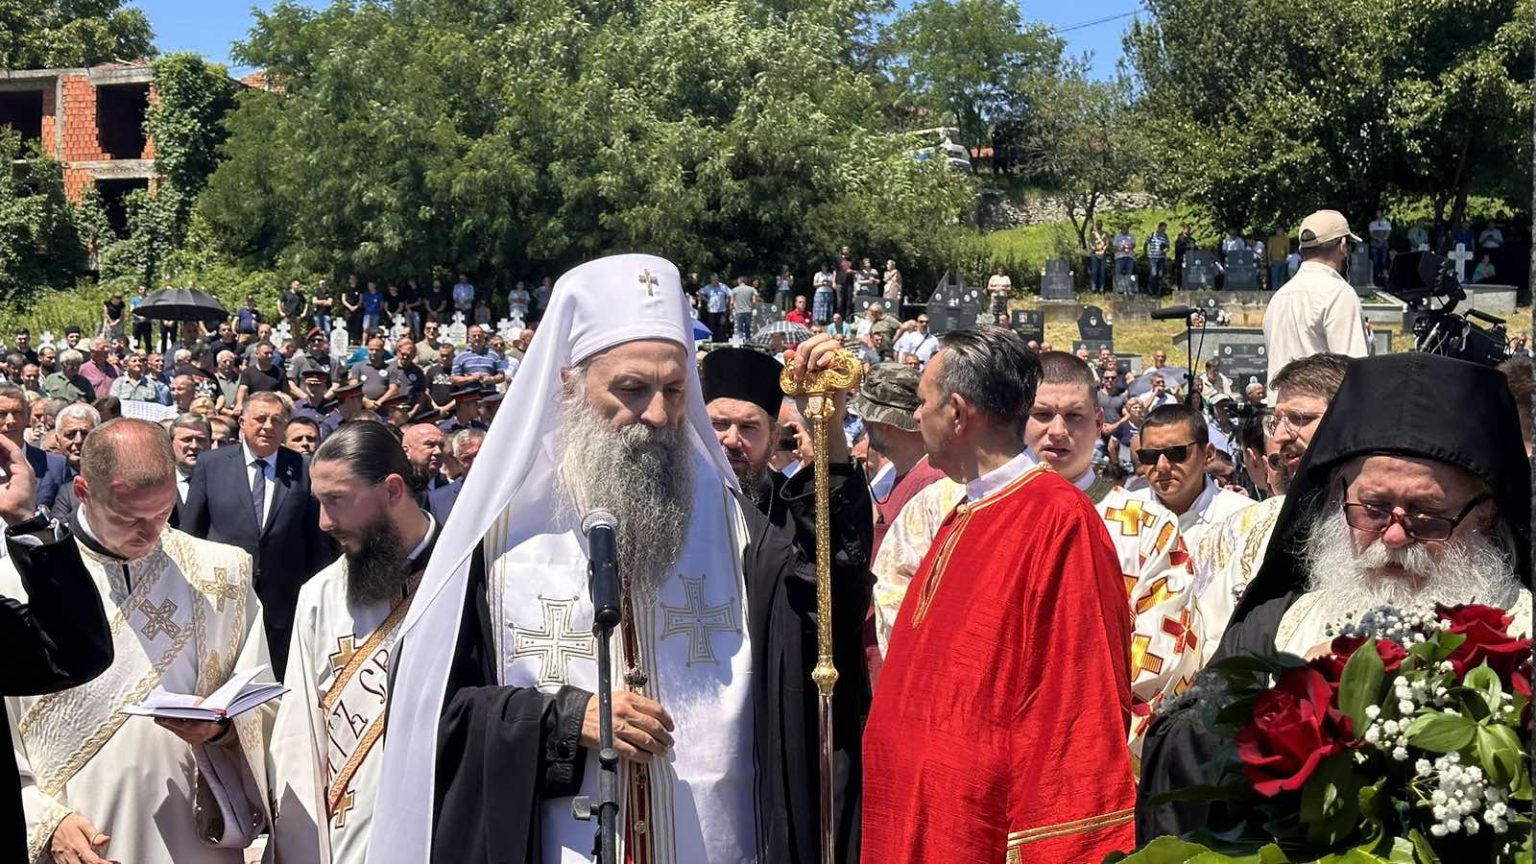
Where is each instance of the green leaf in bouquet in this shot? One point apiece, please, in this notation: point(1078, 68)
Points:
point(1499, 752)
point(1474, 703)
point(1437, 647)
point(1330, 807)
point(1402, 851)
point(1485, 681)
point(1360, 685)
point(1172, 850)
point(1425, 852)
point(1441, 733)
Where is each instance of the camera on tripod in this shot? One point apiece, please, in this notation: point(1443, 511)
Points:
point(1418, 278)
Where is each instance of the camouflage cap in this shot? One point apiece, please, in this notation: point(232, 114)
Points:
point(888, 395)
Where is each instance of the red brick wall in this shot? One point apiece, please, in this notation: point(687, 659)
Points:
point(50, 107)
point(80, 144)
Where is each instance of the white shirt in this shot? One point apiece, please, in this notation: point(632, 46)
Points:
point(1379, 230)
point(250, 479)
point(1001, 476)
point(183, 483)
point(1213, 505)
point(885, 480)
point(919, 344)
point(1315, 311)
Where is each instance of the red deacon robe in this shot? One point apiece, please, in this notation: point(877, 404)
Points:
point(998, 731)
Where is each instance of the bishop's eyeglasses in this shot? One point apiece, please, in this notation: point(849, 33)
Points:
point(1423, 527)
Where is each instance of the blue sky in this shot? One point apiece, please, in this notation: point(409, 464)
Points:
point(209, 26)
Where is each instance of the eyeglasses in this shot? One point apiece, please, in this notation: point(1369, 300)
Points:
point(1275, 461)
point(1176, 454)
point(1420, 526)
point(1296, 420)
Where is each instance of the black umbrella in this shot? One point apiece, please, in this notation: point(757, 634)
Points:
point(183, 304)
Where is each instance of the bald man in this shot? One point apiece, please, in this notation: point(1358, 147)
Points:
point(98, 784)
point(423, 443)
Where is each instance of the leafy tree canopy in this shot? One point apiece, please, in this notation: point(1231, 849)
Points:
point(1264, 111)
point(46, 34)
point(520, 137)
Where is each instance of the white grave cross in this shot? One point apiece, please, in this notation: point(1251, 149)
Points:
point(1461, 256)
point(457, 333)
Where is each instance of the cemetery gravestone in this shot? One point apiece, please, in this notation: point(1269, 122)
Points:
point(1461, 257)
point(47, 341)
point(765, 315)
point(1199, 271)
point(457, 333)
point(1125, 283)
point(1360, 270)
point(1056, 280)
point(341, 346)
point(1242, 361)
point(1095, 331)
point(1418, 238)
point(1029, 324)
point(1242, 273)
point(953, 306)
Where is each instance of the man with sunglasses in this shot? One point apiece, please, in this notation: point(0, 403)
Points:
point(1062, 429)
point(1399, 502)
point(1174, 447)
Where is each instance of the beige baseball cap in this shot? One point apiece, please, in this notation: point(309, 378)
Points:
point(1324, 226)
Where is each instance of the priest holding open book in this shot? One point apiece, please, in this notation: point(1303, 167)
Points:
point(98, 783)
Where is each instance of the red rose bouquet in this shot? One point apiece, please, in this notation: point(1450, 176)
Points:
point(1405, 742)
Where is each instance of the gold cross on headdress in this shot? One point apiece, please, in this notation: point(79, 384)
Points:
point(649, 281)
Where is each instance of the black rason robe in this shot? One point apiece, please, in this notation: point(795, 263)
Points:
point(501, 750)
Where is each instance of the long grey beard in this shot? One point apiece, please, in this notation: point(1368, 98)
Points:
point(643, 476)
point(1470, 570)
point(377, 571)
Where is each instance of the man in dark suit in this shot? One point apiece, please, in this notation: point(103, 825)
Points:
point(50, 469)
point(440, 501)
point(256, 496)
point(59, 638)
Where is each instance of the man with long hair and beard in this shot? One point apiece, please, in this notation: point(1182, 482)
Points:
point(326, 751)
point(1398, 502)
point(493, 713)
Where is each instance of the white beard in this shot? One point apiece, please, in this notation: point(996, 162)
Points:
point(643, 476)
point(1469, 570)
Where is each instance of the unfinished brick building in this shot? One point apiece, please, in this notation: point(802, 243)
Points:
point(90, 120)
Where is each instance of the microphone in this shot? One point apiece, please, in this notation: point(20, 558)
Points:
point(601, 530)
point(1173, 313)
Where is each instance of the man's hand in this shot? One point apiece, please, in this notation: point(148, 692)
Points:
point(194, 732)
point(18, 489)
point(641, 727)
point(814, 355)
point(76, 841)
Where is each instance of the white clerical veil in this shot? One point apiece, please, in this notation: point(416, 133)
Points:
point(603, 303)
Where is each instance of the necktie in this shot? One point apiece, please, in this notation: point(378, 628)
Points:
point(259, 491)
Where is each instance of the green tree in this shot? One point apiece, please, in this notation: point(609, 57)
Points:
point(38, 241)
point(967, 59)
point(187, 123)
point(1263, 111)
point(518, 138)
point(45, 34)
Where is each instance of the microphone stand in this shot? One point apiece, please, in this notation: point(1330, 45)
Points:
point(603, 572)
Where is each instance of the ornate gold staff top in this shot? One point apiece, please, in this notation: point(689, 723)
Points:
point(820, 387)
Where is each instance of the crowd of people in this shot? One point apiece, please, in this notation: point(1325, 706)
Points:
point(1033, 554)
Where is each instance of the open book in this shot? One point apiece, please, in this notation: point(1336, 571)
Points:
point(238, 695)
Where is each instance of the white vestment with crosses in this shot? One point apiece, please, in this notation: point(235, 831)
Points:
point(183, 618)
point(696, 655)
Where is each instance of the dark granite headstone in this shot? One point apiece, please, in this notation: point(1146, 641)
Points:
point(1242, 361)
point(1056, 282)
point(1030, 324)
point(1093, 347)
point(1360, 272)
point(953, 305)
point(1199, 271)
point(1094, 329)
point(1242, 273)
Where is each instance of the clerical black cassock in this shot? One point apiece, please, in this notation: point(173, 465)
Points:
point(490, 737)
point(1389, 405)
point(789, 503)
